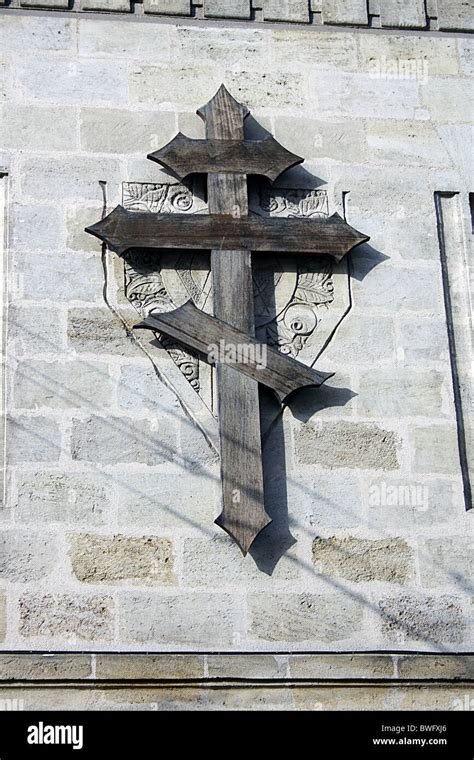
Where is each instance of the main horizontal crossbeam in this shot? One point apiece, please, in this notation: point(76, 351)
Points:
point(123, 229)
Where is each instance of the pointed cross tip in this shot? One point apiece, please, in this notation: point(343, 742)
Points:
point(357, 236)
point(221, 97)
point(93, 229)
point(160, 155)
point(244, 536)
point(176, 140)
point(105, 230)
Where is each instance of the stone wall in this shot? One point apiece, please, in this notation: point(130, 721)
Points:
point(442, 15)
point(33, 681)
point(107, 530)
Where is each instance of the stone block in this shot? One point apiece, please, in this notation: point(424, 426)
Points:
point(77, 178)
point(27, 127)
point(227, 8)
point(71, 617)
point(32, 439)
point(446, 99)
point(62, 277)
point(143, 560)
point(395, 195)
point(393, 287)
point(114, 440)
point(412, 143)
point(77, 219)
point(48, 496)
point(3, 616)
point(210, 46)
point(361, 560)
point(341, 666)
point(26, 555)
point(191, 125)
point(29, 35)
point(151, 498)
point(403, 13)
point(259, 89)
point(401, 237)
point(43, 667)
point(47, 223)
point(431, 9)
point(364, 340)
point(303, 617)
point(196, 452)
point(53, 4)
point(362, 698)
point(115, 6)
point(411, 503)
point(207, 561)
point(425, 619)
point(333, 399)
point(423, 340)
point(62, 385)
point(179, 86)
point(347, 444)
point(317, 139)
point(157, 697)
point(141, 169)
point(196, 618)
point(435, 449)
point(92, 81)
point(35, 330)
point(246, 666)
point(397, 392)
point(5, 83)
point(456, 14)
point(44, 697)
point(466, 55)
point(331, 50)
point(296, 11)
point(142, 42)
point(239, 698)
point(119, 667)
point(139, 388)
point(344, 95)
point(345, 12)
point(395, 56)
point(324, 502)
point(168, 7)
point(99, 331)
point(115, 131)
point(437, 667)
point(447, 561)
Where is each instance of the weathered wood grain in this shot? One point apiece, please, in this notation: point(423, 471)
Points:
point(123, 229)
point(198, 331)
point(183, 156)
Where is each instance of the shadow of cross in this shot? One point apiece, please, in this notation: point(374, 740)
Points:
point(231, 235)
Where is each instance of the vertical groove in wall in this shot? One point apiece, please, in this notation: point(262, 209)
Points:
point(458, 319)
point(3, 322)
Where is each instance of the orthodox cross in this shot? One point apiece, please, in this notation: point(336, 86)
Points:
point(231, 235)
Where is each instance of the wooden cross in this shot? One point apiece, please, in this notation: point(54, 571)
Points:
point(231, 235)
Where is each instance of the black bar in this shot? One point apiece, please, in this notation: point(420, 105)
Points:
point(139, 734)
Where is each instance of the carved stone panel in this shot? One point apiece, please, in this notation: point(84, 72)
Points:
point(298, 301)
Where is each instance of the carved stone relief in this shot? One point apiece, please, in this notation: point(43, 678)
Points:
point(298, 301)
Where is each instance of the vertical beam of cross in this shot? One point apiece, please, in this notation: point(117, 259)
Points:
point(243, 514)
